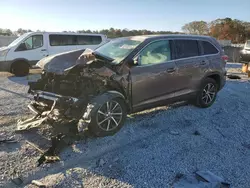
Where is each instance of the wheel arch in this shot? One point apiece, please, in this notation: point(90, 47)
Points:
point(93, 106)
point(107, 96)
point(18, 60)
point(216, 76)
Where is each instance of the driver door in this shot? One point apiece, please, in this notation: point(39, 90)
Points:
point(154, 76)
point(32, 49)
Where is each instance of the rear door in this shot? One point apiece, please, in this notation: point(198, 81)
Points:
point(153, 79)
point(188, 60)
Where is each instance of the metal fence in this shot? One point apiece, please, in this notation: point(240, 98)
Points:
point(6, 40)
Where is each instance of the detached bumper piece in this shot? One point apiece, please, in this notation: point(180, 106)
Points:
point(30, 123)
point(45, 107)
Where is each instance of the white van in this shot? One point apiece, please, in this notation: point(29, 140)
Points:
point(29, 48)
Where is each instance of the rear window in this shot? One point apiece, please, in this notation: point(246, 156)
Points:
point(208, 48)
point(186, 48)
point(64, 40)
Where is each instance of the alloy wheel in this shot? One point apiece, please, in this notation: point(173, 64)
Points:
point(208, 93)
point(109, 115)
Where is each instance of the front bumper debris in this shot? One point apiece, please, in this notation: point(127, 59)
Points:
point(50, 104)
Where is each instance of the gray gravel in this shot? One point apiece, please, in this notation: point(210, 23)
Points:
point(153, 146)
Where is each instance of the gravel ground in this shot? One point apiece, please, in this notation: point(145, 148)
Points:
point(149, 151)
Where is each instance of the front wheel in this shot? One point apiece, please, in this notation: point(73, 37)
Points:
point(108, 117)
point(207, 94)
point(20, 69)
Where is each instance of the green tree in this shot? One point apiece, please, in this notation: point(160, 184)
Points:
point(196, 28)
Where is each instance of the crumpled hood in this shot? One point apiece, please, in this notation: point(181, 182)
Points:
point(58, 63)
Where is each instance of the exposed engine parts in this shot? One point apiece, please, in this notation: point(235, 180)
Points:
point(65, 97)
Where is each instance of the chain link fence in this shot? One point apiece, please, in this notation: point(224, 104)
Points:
point(6, 40)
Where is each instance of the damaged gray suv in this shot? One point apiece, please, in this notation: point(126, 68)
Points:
point(97, 89)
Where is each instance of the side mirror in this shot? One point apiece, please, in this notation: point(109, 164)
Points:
point(21, 47)
point(137, 60)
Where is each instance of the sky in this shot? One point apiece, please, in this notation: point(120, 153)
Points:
point(73, 15)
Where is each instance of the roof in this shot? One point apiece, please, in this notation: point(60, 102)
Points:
point(175, 35)
point(65, 33)
point(150, 37)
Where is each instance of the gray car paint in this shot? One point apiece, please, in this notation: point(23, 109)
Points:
point(153, 85)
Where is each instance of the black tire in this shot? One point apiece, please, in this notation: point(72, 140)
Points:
point(20, 68)
point(202, 95)
point(99, 130)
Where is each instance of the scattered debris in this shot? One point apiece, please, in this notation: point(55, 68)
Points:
point(100, 162)
point(17, 181)
point(51, 154)
point(246, 146)
point(210, 177)
point(38, 184)
point(218, 129)
point(30, 123)
point(232, 76)
point(174, 132)
point(196, 133)
point(116, 159)
point(177, 177)
point(8, 140)
point(34, 146)
point(200, 179)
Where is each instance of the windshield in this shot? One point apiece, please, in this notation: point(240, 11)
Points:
point(19, 39)
point(118, 49)
point(248, 44)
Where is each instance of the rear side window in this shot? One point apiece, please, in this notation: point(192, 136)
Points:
point(186, 48)
point(208, 48)
point(62, 40)
point(88, 40)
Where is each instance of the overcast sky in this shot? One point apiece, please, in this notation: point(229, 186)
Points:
point(59, 15)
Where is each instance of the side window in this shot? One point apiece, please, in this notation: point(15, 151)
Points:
point(154, 53)
point(186, 48)
point(88, 40)
point(62, 40)
point(208, 48)
point(33, 42)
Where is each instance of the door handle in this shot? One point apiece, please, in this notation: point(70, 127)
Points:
point(170, 70)
point(203, 62)
point(43, 50)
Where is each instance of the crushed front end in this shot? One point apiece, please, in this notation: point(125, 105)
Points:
point(63, 97)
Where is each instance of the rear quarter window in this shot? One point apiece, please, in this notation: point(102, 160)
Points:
point(186, 48)
point(62, 40)
point(208, 48)
point(88, 40)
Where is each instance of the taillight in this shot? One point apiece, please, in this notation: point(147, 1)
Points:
point(224, 58)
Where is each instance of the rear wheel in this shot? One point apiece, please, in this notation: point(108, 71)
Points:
point(20, 68)
point(207, 94)
point(108, 117)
